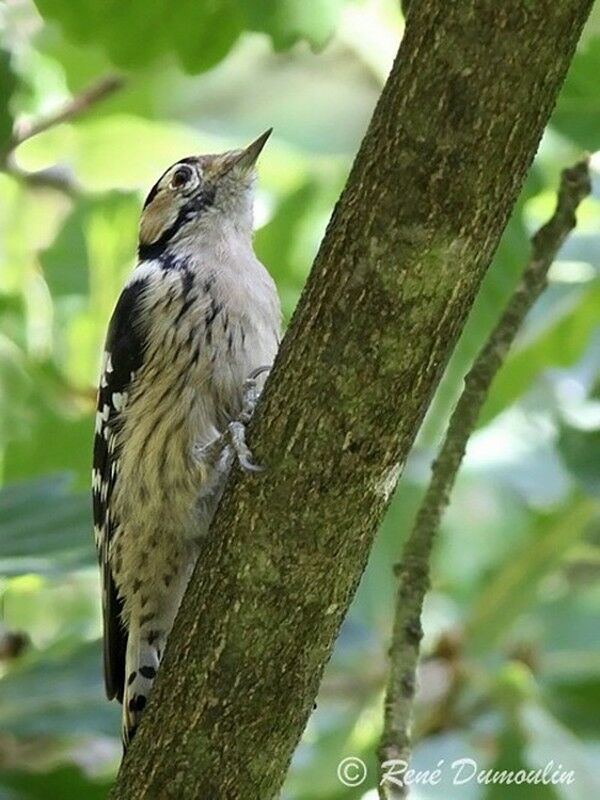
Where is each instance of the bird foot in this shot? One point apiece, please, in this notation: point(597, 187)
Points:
point(231, 445)
point(237, 428)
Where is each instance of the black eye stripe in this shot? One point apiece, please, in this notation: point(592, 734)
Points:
point(200, 201)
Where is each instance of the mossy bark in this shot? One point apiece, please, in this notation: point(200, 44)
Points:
point(428, 197)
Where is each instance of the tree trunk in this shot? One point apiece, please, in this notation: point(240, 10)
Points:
point(440, 168)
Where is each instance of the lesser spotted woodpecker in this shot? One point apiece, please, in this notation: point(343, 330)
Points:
point(190, 338)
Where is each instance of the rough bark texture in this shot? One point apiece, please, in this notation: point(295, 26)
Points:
point(430, 192)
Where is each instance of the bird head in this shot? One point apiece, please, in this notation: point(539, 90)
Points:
point(198, 196)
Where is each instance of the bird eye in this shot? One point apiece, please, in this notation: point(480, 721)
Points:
point(181, 176)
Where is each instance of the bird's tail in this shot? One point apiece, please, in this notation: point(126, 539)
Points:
point(141, 665)
point(146, 639)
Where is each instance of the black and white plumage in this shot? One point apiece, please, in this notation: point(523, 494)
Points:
point(198, 317)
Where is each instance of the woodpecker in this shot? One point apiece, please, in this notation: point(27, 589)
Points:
point(189, 343)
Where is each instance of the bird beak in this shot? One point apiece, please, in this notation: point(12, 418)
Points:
point(246, 159)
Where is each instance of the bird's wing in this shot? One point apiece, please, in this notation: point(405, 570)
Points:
point(124, 355)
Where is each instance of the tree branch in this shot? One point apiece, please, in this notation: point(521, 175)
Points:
point(56, 177)
point(414, 567)
point(74, 108)
point(432, 187)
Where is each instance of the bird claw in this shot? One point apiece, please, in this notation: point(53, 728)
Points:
point(237, 428)
point(232, 443)
point(237, 436)
point(251, 393)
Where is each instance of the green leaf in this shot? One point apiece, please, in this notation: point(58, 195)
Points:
point(567, 623)
point(513, 587)
point(134, 33)
point(59, 784)
point(12, 318)
point(289, 21)
point(276, 242)
point(8, 83)
point(576, 704)
point(44, 527)
point(65, 262)
point(560, 345)
point(98, 236)
point(54, 443)
point(548, 741)
point(79, 20)
point(204, 44)
point(60, 693)
point(15, 386)
point(139, 32)
point(199, 33)
point(577, 113)
point(580, 451)
point(512, 757)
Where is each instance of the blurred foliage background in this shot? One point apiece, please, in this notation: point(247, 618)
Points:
point(511, 675)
